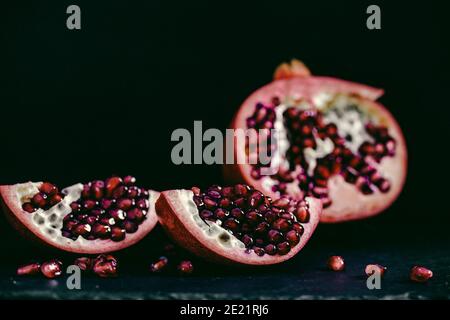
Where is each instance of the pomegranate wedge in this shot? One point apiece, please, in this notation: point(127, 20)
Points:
point(238, 225)
point(97, 217)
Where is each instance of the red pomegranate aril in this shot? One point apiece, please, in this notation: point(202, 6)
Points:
point(119, 192)
point(82, 229)
point(129, 226)
point(90, 220)
point(274, 236)
point(270, 249)
point(336, 263)
point(237, 213)
point(297, 227)
point(231, 224)
point(247, 240)
point(129, 180)
point(84, 263)
point(263, 227)
point(221, 213)
point(105, 266)
point(28, 207)
point(281, 203)
point(86, 193)
point(185, 267)
point(136, 214)
point(206, 215)
point(420, 274)
point(160, 264)
point(196, 191)
point(124, 204)
point(111, 184)
point(51, 269)
point(209, 203)
point(375, 268)
point(240, 190)
point(214, 194)
point(117, 233)
point(142, 204)
point(39, 200)
point(102, 231)
point(29, 269)
point(253, 217)
point(383, 185)
point(292, 237)
point(302, 214)
point(117, 214)
point(255, 199)
point(89, 204)
point(270, 216)
point(259, 251)
point(55, 199)
point(48, 189)
point(283, 248)
point(133, 192)
point(108, 221)
point(281, 225)
point(107, 203)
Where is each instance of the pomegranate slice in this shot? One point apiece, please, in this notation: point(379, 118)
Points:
point(335, 142)
point(98, 217)
point(238, 225)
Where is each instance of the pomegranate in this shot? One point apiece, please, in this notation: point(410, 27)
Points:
point(334, 142)
point(52, 269)
point(97, 217)
point(238, 224)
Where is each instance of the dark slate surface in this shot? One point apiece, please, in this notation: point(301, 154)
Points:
point(304, 277)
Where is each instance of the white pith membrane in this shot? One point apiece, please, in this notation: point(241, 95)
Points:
point(213, 237)
point(50, 222)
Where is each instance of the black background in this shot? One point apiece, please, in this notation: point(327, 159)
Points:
point(79, 105)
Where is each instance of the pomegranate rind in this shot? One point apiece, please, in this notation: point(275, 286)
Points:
point(348, 203)
point(175, 216)
point(22, 221)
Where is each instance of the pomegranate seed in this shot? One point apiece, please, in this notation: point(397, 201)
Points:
point(117, 214)
point(82, 229)
point(101, 231)
point(39, 200)
point(124, 203)
point(48, 189)
point(196, 191)
point(142, 204)
point(75, 206)
point(240, 189)
point(28, 207)
point(107, 203)
point(336, 263)
point(283, 248)
point(29, 269)
point(247, 240)
point(237, 213)
point(54, 200)
point(84, 263)
point(231, 224)
point(89, 204)
point(129, 180)
point(133, 192)
point(51, 269)
point(185, 267)
point(274, 236)
point(159, 265)
point(117, 234)
point(105, 266)
point(375, 268)
point(120, 192)
point(420, 274)
point(292, 237)
point(130, 227)
point(302, 214)
point(281, 203)
point(259, 251)
point(298, 228)
point(270, 249)
point(136, 215)
point(111, 184)
point(221, 213)
point(281, 225)
point(206, 215)
point(85, 194)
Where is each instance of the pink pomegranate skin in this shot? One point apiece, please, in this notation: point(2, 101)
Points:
point(348, 203)
point(22, 222)
point(174, 216)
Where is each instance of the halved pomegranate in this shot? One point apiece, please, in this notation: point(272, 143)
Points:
point(334, 143)
point(238, 225)
point(97, 217)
